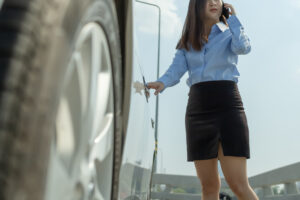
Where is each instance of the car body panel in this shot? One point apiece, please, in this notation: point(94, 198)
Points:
point(139, 145)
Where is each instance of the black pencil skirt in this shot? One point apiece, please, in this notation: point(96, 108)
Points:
point(215, 113)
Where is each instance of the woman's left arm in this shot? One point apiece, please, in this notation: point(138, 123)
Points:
point(240, 43)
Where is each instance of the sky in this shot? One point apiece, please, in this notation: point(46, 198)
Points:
point(269, 84)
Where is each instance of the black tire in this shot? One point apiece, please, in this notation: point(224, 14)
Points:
point(224, 196)
point(32, 67)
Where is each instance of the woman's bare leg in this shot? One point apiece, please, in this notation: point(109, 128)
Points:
point(235, 172)
point(207, 172)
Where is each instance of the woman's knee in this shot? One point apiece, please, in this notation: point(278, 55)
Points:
point(238, 187)
point(211, 187)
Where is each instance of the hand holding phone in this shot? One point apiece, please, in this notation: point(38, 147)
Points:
point(225, 11)
point(228, 6)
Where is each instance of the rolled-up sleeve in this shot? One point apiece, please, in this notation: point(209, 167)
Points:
point(175, 71)
point(240, 43)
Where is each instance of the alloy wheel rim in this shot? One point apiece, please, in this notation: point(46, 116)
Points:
point(81, 159)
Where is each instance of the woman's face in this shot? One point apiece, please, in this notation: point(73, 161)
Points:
point(213, 10)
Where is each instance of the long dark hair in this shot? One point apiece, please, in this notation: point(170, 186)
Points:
point(193, 29)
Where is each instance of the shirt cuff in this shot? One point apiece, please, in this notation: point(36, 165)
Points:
point(234, 23)
point(162, 81)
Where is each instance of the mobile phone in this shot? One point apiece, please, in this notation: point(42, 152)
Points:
point(225, 12)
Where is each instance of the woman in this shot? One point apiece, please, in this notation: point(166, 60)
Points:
point(216, 124)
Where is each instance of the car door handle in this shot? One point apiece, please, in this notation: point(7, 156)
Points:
point(147, 93)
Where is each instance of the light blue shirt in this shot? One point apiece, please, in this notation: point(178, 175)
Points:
point(216, 61)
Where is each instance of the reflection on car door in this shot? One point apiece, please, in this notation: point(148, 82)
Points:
point(139, 145)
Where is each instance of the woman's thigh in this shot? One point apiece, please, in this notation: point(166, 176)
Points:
point(233, 168)
point(207, 172)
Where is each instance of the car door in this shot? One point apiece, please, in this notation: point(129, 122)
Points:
point(139, 145)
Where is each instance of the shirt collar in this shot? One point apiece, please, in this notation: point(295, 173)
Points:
point(222, 26)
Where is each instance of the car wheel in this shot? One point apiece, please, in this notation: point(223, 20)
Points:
point(61, 98)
